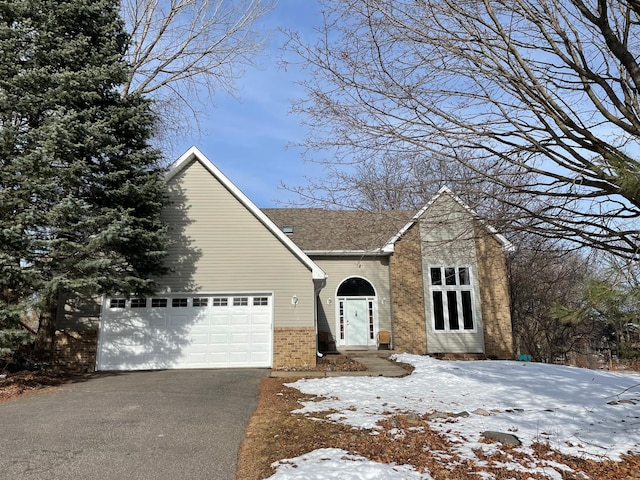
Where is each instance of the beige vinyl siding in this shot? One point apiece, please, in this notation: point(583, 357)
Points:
point(339, 268)
point(220, 246)
point(448, 239)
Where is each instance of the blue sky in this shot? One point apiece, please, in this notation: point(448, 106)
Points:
point(246, 137)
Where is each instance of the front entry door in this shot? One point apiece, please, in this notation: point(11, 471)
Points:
point(357, 320)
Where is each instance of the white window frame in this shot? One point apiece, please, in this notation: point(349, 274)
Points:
point(139, 302)
point(159, 302)
point(117, 303)
point(458, 289)
point(240, 301)
point(179, 302)
point(220, 302)
point(200, 302)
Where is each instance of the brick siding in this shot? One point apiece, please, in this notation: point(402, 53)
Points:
point(75, 350)
point(294, 347)
point(409, 327)
point(494, 295)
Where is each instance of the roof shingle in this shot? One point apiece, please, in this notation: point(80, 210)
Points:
point(338, 230)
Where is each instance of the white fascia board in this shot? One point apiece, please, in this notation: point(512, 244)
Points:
point(390, 245)
point(506, 244)
point(194, 153)
point(348, 253)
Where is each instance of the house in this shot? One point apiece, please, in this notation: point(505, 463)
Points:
point(268, 288)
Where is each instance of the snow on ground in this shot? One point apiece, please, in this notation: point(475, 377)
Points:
point(323, 463)
point(585, 413)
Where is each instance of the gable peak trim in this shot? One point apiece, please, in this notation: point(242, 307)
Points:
point(445, 190)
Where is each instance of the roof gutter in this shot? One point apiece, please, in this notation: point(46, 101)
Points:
point(348, 253)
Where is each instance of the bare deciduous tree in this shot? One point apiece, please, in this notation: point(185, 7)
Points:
point(539, 97)
point(559, 280)
point(181, 49)
point(612, 296)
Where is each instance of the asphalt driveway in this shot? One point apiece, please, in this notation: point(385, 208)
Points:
point(175, 424)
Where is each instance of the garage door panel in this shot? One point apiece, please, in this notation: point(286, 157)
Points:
point(170, 339)
point(155, 362)
point(219, 319)
point(210, 332)
point(260, 338)
point(262, 326)
point(181, 320)
point(158, 320)
point(258, 358)
point(125, 326)
point(239, 338)
point(239, 358)
point(218, 358)
point(199, 329)
point(124, 355)
point(239, 319)
point(199, 340)
point(123, 339)
point(261, 319)
point(198, 358)
point(201, 318)
point(219, 338)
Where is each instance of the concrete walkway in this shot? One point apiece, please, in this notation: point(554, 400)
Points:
point(376, 361)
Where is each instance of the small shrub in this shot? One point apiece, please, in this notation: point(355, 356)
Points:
point(14, 348)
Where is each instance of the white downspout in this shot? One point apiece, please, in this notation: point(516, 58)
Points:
point(318, 285)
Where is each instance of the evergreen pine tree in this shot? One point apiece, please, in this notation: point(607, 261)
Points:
point(80, 188)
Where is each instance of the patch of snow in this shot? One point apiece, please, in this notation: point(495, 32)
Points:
point(335, 463)
point(580, 412)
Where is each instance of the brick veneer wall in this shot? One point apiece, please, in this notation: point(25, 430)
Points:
point(494, 295)
point(294, 347)
point(409, 327)
point(75, 350)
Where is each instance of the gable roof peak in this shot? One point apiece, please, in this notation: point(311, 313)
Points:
point(194, 153)
point(445, 189)
point(389, 247)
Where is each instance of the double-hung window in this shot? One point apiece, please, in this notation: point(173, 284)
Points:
point(451, 299)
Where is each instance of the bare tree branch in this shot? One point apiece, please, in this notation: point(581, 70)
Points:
point(537, 97)
point(182, 49)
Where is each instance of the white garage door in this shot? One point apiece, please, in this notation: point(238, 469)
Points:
point(186, 331)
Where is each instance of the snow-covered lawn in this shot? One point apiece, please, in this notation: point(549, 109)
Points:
point(579, 412)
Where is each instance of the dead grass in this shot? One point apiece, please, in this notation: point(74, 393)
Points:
point(273, 433)
point(21, 384)
point(331, 362)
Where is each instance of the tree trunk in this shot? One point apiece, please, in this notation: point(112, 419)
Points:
point(43, 348)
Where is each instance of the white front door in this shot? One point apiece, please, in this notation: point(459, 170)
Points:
point(357, 321)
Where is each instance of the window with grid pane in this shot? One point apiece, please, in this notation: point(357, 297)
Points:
point(452, 298)
point(200, 301)
point(117, 303)
point(138, 303)
point(240, 301)
point(220, 301)
point(179, 302)
point(158, 302)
